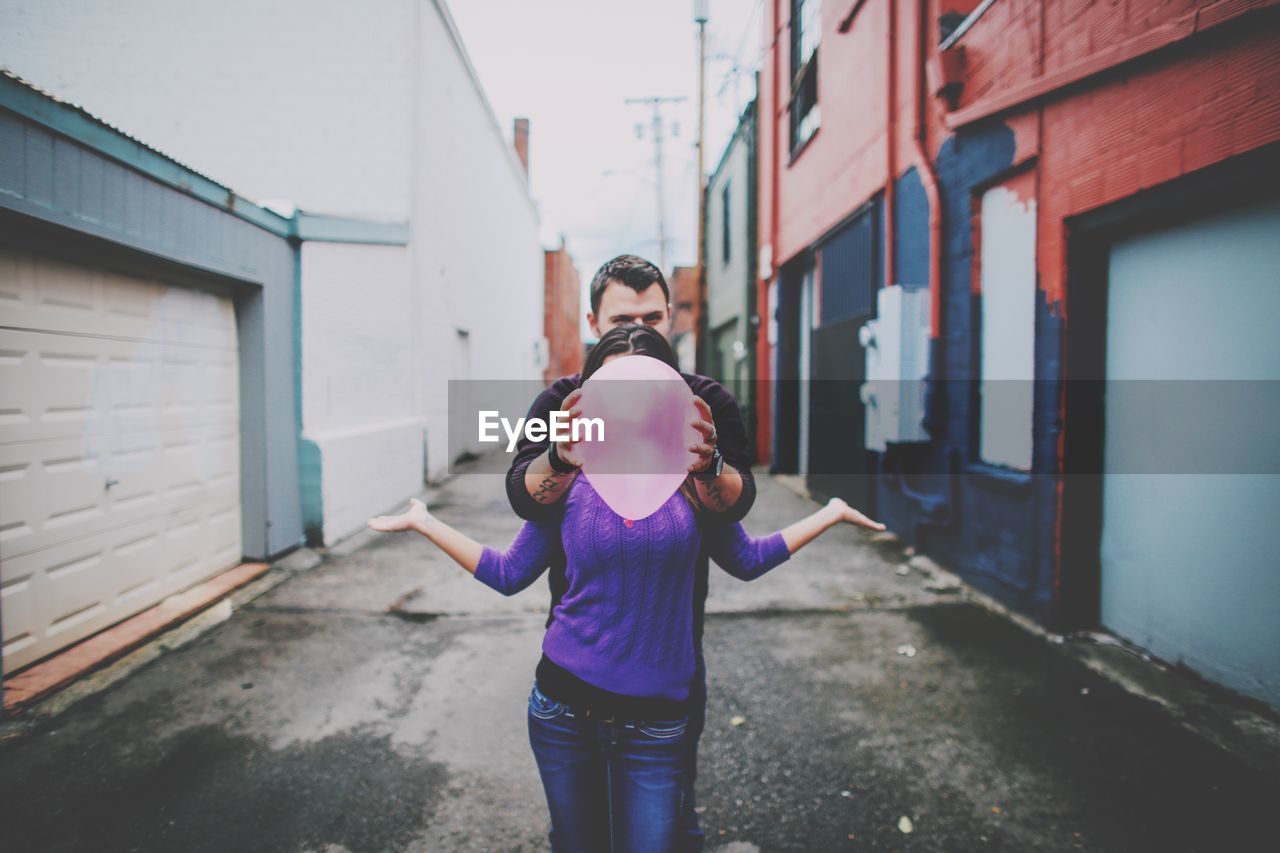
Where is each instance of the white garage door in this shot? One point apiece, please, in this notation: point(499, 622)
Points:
point(119, 447)
point(1189, 554)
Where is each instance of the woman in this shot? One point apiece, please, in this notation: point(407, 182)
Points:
point(607, 713)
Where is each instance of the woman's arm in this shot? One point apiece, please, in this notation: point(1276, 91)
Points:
point(506, 571)
point(802, 532)
point(747, 558)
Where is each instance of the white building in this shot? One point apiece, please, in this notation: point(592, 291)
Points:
point(420, 257)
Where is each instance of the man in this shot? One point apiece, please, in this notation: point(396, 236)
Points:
point(629, 289)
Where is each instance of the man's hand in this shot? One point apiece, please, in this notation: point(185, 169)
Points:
point(720, 494)
point(567, 450)
point(705, 424)
point(543, 483)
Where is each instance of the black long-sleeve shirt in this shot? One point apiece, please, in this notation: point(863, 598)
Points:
point(731, 438)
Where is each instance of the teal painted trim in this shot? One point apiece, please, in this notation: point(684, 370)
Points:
point(22, 206)
point(310, 480)
point(297, 341)
point(86, 129)
point(337, 229)
point(309, 474)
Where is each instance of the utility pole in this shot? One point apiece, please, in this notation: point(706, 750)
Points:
point(656, 131)
point(701, 15)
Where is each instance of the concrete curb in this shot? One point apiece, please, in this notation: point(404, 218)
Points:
point(174, 635)
point(72, 663)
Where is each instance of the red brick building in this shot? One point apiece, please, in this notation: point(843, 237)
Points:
point(684, 297)
point(563, 314)
point(1053, 191)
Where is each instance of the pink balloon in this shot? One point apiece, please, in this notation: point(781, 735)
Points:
point(644, 457)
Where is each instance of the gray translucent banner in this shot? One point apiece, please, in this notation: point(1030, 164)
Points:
point(847, 427)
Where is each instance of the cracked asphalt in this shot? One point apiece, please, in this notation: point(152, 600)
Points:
point(377, 703)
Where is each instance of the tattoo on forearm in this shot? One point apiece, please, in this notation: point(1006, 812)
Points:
point(715, 493)
point(549, 487)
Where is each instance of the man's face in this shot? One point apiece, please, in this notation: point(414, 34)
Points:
point(620, 305)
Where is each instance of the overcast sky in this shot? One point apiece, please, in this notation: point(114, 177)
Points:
point(569, 66)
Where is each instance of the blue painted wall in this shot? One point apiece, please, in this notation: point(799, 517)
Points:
point(994, 527)
point(911, 231)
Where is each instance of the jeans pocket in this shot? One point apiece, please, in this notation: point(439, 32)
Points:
point(543, 707)
point(663, 729)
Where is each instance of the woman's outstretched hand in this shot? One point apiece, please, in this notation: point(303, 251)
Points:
point(414, 518)
point(464, 550)
point(849, 515)
point(802, 532)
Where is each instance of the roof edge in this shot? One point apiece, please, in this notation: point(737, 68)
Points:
point(76, 123)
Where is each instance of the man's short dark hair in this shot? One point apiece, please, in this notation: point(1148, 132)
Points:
point(633, 271)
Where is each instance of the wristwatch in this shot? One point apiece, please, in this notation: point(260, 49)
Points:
point(557, 464)
point(713, 470)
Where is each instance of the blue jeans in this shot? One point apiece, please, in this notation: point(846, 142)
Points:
point(691, 837)
point(611, 786)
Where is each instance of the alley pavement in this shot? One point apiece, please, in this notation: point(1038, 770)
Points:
point(377, 703)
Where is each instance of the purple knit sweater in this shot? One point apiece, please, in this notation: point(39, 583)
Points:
point(625, 624)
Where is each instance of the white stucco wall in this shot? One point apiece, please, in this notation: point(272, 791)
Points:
point(367, 110)
point(358, 343)
point(474, 236)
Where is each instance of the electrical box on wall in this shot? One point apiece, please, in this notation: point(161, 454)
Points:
point(897, 345)
point(541, 353)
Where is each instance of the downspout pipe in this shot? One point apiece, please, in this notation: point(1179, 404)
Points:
point(764, 426)
point(891, 153)
point(927, 175)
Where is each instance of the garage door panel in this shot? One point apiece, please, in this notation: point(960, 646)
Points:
point(119, 448)
point(1196, 301)
point(47, 295)
point(19, 611)
point(61, 588)
point(52, 492)
point(73, 583)
point(56, 386)
point(45, 485)
point(85, 585)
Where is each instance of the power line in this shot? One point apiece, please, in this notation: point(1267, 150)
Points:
point(736, 65)
point(655, 102)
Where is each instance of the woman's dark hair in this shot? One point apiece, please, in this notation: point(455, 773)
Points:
point(636, 339)
point(629, 338)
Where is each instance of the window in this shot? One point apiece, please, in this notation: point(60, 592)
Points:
point(852, 267)
point(1007, 321)
point(806, 21)
point(724, 223)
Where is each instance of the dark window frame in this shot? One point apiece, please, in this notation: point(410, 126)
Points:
point(802, 102)
point(725, 235)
